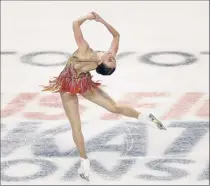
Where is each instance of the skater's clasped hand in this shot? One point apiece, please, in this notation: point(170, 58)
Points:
point(97, 17)
point(90, 16)
point(94, 16)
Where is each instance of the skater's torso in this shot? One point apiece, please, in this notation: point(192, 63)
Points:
point(75, 77)
point(85, 62)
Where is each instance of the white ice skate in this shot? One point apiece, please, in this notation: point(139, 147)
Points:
point(84, 169)
point(152, 121)
point(156, 122)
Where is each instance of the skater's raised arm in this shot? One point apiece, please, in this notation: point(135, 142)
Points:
point(116, 36)
point(81, 42)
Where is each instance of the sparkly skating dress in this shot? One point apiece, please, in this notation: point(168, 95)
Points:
point(71, 81)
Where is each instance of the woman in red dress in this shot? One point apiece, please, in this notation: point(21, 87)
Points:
point(76, 79)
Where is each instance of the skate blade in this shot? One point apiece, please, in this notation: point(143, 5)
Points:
point(157, 122)
point(83, 176)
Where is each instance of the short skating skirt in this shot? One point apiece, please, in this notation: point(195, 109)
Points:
point(70, 81)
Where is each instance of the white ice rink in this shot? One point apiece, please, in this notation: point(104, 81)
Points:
point(163, 67)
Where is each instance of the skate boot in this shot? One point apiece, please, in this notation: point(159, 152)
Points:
point(152, 121)
point(84, 169)
point(157, 122)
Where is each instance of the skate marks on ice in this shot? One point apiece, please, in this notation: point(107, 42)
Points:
point(126, 150)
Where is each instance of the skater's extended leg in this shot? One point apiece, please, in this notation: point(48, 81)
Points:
point(101, 98)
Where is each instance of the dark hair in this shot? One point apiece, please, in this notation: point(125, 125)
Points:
point(104, 70)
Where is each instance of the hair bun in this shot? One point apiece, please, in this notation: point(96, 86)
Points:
point(104, 70)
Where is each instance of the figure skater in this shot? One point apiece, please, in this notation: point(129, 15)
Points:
point(76, 79)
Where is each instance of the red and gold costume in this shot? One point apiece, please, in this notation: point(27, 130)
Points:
point(71, 81)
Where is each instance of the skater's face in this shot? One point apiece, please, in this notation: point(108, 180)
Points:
point(108, 59)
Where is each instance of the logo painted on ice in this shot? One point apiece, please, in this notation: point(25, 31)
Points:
point(148, 58)
point(198, 102)
point(43, 146)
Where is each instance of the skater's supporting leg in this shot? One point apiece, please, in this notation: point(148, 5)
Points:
point(71, 107)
